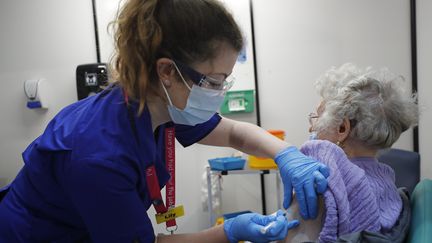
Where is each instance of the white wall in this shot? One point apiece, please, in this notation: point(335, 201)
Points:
point(39, 39)
point(310, 36)
point(424, 50)
point(295, 42)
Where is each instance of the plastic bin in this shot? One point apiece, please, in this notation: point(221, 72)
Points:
point(227, 163)
point(266, 163)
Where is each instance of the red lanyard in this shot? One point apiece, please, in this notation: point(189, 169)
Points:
point(151, 175)
point(153, 183)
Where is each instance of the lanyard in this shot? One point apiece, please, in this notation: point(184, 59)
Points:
point(152, 179)
point(153, 183)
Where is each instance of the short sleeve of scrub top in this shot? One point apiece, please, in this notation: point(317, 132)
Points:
point(94, 188)
point(188, 135)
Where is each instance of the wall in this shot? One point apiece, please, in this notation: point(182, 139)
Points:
point(48, 39)
point(310, 36)
point(39, 39)
point(424, 50)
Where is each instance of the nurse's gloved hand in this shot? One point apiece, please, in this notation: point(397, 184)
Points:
point(304, 174)
point(250, 227)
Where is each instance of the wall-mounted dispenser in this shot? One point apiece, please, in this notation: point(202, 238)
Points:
point(90, 79)
point(32, 90)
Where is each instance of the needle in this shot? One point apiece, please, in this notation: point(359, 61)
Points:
point(269, 225)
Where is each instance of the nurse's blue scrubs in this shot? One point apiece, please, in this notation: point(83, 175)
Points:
point(84, 177)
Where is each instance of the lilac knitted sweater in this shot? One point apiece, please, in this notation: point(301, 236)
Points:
point(361, 193)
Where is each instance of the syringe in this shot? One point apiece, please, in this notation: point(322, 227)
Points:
point(264, 229)
point(269, 225)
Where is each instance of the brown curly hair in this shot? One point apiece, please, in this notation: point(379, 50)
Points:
point(188, 30)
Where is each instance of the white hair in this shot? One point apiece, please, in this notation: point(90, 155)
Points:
point(376, 102)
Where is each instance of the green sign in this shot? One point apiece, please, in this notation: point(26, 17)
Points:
point(238, 101)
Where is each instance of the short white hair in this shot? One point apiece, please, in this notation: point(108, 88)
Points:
point(376, 102)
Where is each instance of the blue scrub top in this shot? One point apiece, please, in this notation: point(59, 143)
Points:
point(84, 177)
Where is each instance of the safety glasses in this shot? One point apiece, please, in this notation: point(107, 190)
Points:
point(312, 117)
point(204, 80)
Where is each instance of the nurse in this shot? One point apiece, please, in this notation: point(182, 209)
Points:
point(99, 165)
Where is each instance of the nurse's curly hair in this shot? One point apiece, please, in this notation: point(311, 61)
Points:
point(187, 30)
point(377, 103)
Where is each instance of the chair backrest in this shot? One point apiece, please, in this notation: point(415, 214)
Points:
point(406, 165)
point(421, 217)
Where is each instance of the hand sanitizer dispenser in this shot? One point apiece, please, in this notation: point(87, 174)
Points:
point(32, 90)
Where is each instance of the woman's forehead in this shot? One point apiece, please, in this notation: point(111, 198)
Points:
point(321, 107)
point(221, 64)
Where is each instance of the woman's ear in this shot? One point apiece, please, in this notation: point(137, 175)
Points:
point(344, 130)
point(165, 70)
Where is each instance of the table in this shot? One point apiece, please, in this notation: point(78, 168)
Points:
point(246, 171)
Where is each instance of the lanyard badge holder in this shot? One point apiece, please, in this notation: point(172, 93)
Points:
point(170, 212)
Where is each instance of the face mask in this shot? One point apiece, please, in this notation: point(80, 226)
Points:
point(313, 135)
point(201, 105)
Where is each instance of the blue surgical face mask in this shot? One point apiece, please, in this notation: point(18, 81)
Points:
point(201, 105)
point(313, 135)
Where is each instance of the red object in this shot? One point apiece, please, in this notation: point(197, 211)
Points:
point(151, 175)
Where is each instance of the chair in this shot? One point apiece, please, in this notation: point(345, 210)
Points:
point(421, 217)
point(406, 165)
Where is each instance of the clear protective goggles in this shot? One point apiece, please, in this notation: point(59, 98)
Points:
point(203, 80)
point(312, 118)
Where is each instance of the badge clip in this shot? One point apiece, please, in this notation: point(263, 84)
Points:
point(172, 213)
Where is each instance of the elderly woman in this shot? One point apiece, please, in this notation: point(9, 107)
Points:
point(361, 112)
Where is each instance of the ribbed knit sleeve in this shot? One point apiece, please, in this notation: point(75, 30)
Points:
point(350, 202)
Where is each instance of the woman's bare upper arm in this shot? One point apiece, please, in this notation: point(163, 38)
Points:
point(220, 136)
point(308, 230)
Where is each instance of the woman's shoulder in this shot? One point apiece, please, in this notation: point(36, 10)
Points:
point(89, 123)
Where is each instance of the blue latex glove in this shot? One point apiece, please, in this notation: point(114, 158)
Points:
point(248, 227)
point(304, 174)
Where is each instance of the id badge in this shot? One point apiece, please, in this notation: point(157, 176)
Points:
point(172, 213)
